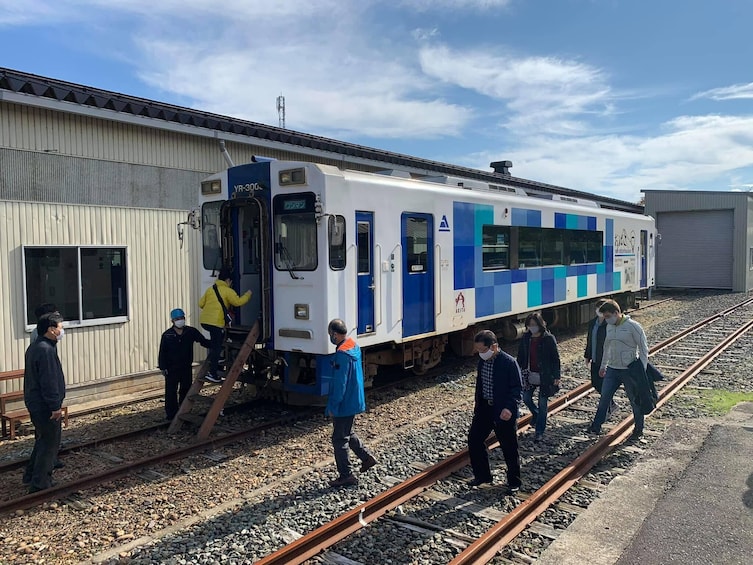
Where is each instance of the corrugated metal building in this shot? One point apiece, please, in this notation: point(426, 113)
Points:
point(706, 238)
point(92, 185)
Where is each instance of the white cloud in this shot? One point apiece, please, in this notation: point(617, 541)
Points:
point(426, 5)
point(542, 94)
point(734, 92)
point(690, 152)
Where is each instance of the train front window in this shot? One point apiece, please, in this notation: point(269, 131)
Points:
point(295, 233)
point(210, 235)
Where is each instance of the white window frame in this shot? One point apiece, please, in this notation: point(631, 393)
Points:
point(81, 322)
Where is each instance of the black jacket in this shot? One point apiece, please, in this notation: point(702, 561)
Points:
point(176, 350)
point(44, 382)
point(643, 387)
point(549, 360)
point(508, 385)
point(601, 334)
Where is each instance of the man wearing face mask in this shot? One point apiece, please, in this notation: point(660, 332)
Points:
point(498, 392)
point(596, 333)
point(176, 358)
point(346, 399)
point(624, 343)
point(44, 391)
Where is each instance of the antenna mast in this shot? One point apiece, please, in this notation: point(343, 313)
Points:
point(281, 111)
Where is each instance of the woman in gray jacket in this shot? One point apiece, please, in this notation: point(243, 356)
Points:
point(625, 342)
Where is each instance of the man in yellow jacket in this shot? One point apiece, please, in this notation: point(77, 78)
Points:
point(212, 317)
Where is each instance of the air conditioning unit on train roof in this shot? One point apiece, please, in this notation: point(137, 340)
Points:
point(394, 173)
point(568, 199)
point(472, 184)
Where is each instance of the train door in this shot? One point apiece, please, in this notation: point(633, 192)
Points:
point(248, 242)
point(644, 258)
point(417, 236)
point(364, 249)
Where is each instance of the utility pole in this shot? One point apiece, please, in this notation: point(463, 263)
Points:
point(281, 111)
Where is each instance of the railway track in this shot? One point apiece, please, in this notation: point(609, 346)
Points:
point(706, 340)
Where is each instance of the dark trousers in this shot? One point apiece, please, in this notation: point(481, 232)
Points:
point(484, 421)
point(46, 445)
point(216, 337)
point(596, 380)
point(344, 437)
point(177, 383)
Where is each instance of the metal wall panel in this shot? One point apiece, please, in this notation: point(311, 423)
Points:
point(691, 240)
point(160, 277)
point(49, 132)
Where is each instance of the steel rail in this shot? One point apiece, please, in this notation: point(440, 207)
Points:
point(126, 469)
point(328, 534)
point(486, 547)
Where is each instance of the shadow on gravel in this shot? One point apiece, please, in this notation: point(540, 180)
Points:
point(748, 495)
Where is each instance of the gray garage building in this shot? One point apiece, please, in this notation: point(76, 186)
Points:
point(706, 238)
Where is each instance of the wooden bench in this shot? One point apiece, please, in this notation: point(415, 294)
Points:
point(11, 418)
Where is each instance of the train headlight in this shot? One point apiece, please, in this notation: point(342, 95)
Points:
point(293, 176)
point(301, 311)
point(211, 187)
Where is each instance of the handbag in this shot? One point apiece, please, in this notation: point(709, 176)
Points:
point(228, 317)
point(534, 378)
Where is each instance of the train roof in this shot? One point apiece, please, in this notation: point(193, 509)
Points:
point(19, 82)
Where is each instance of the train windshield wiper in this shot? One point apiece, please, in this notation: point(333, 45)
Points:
point(288, 259)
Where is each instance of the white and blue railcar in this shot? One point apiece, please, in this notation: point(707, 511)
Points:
point(410, 265)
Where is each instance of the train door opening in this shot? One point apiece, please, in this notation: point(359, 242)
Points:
point(644, 258)
point(249, 269)
point(366, 286)
point(417, 237)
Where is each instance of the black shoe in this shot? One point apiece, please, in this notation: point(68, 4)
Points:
point(212, 379)
point(592, 432)
point(58, 465)
point(350, 480)
point(635, 436)
point(368, 463)
point(478, 482)
point(34, 489)
point(513, 489)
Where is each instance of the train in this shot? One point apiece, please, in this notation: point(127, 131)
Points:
point(414, 266)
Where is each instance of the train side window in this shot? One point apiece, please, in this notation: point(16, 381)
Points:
point(595, 246)
point(336, 229)
point(210, 235)
point(529, 247)
point(417, 236)
point(553, 246)
point(495, 247)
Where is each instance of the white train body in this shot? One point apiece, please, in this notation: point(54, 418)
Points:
point(406, 263)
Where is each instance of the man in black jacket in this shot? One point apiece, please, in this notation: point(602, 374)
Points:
point(498, 392)
point(44, 391)
point(176, 358)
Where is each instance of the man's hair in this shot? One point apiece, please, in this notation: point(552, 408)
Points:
point(47, 321)
point(337, 326)
point(610, 307)
point(224, 274)
point(46, 308)
point(536, 316)
point(486, 337)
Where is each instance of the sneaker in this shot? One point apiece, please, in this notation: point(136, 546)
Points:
point(350, 480)
point(592, 432)
point(212, 378)
point(368, 463)
point(635, 436)
point(478, 482)
point(513, 489)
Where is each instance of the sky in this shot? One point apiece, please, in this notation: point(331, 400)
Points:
point(605, 96)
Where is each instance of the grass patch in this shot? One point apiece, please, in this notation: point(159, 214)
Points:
point(722, 401)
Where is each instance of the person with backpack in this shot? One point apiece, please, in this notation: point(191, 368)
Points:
point(214, 317)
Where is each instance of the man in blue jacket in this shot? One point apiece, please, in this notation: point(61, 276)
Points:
point(44, 391)
point(346, 399)
point(498, 393)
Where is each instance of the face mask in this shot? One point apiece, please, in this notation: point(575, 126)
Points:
point(332, 339)
point(612, 321)
point(486, 355)
point(534, 329)
point(179, 323)
point(61, 335)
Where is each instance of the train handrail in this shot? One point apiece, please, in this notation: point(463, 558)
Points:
point(378, 285)
point(438, 277)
